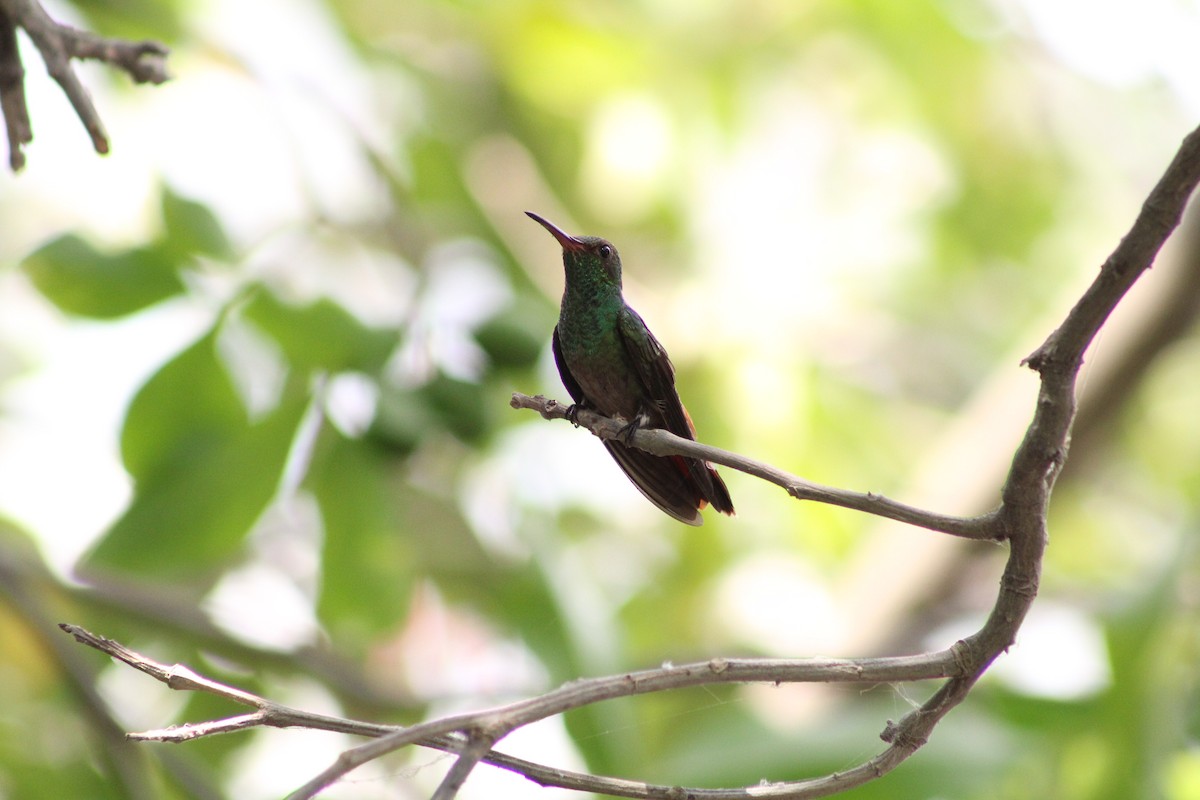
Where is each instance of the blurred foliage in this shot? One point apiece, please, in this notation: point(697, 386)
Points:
point(337, 429)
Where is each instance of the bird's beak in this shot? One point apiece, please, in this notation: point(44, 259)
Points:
point(567, 241)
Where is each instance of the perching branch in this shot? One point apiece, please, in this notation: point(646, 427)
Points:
point(1020, 519)
point(58, 44)
point(664, 443)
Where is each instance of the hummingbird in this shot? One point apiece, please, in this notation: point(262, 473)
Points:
point(612, 364)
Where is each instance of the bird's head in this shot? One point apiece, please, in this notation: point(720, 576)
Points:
point(585, 256)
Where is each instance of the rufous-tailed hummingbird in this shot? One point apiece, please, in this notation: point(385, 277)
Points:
point(611, 363)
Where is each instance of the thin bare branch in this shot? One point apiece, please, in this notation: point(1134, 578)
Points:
point(479, 744)
point(387, 739)
point(12, 93)
point(664, 443)
point(169, 609)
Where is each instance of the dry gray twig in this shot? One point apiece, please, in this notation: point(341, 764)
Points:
point(439, 733)
point(145, 62)
point(664, 443)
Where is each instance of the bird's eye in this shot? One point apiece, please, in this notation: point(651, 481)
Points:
point(605, 251)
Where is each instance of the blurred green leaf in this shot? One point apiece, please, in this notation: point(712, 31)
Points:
point(81, 280)
point(193, 229)
point(437, 175)
point(189, 402)
point(78, 777)
point(199, 497)
point(459, 405)
point(193, 515)
point(516, 336)
point(135, 19)
point(366, 558)
point(401, 421)
point(406, 417)
point(321, 335)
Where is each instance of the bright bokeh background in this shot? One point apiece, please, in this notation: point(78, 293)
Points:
point(254, 370)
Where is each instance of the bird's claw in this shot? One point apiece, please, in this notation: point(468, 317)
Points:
point(630, 428)
point(572, 414)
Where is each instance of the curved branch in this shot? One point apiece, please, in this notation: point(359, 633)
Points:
point(1020, 519)
point(1025, 497)
point(664, 443)
point(492, 724)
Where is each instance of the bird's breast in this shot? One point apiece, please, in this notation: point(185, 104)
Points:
point(599, 363)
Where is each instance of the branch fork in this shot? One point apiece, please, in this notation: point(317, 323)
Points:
point(1019, 519)
point(145, 62)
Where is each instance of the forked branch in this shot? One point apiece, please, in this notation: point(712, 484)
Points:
point(441, 734)
point(145, 62)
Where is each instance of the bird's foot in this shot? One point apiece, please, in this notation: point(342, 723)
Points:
point(572, 414)
point(630, 428)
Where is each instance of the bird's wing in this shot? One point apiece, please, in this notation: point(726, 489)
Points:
point(654, 369)
point(661, 480)
point(657, 375)
point(567, 378)
point(658, 479)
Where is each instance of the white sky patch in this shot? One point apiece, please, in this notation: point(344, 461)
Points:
point(461, 291)
point(255, 364)
point(280, 614)
point(553, 465)
point(137, 705)
point(261, 134)
point(276, 761)
point(1123, 44)
point(350, 401)
point(774, 602)
point(807, 202)
point(284, 137)
point(60, 469)
point(629, 146)
point(305, 264)
point(1060, 653)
